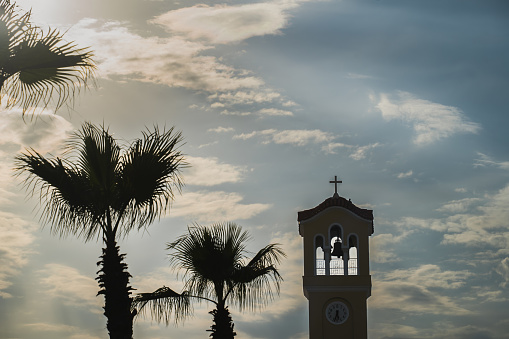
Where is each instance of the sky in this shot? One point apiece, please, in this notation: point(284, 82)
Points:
point(404, 100)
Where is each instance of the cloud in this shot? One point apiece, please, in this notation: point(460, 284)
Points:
point(44, 134)
point(410, 290)
point(16, 238)
point(222, 24)
point(275, 112)
point(210, 172)
point(295, 137)
point(360, 151)
point(503, 270)
point(221, 129)
point(382, 246)
point(245, 97)
point(405, 174)
point(206, 206)
point(70, 286)
point(459, 206)
point(485, 160)
point(173, 61)
point(431, 121)
point(486, 224)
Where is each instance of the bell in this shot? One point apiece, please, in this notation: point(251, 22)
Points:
point(337, 251)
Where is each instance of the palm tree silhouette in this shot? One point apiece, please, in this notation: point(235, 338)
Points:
point(35, 65)
point(103, 190)
point(213, 260)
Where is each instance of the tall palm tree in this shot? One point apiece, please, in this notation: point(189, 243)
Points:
point(215, 270)
point(36, 66)
point(103, 190)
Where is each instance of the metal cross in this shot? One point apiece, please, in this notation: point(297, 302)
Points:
point(336, 182)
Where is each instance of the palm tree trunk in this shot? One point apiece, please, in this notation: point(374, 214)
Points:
point(114, 282)
point(222, 327)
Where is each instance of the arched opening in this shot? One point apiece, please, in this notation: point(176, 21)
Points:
point(336, 243)
point(353, 252)
point(319, 256)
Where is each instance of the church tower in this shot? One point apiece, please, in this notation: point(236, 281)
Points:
point(336, 280)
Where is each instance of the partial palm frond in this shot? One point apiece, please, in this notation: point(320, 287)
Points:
point(164, 304)
point(64, 192)
point(38, 67)
point(149, 174)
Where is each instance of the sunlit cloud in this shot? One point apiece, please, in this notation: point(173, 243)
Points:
point(44, 134)
point(418, 290)
point(210, 172)
point(221, 24)
point(173, 61)
point(295, 137)
point(404, 175)
point(431, 121)
point(221, 129)
point(215, 206)
point(383, 246)
point(275, 112)
point(361, 151)
point(473, 222)
point(16, 238)
point(459, 206)
point(70, 286)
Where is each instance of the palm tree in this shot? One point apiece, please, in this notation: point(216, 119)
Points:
point(35, 65)
point(215, 270)
point(103, 190)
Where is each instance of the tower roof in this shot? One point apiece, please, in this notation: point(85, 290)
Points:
point(337, 201)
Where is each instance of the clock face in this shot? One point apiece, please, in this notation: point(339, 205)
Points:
point(336, 312)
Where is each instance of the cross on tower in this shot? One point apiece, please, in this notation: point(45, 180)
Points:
point(336, 182)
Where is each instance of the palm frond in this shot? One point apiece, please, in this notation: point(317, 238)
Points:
point(164, 304)
point(64, 193)
point(37, 67)
point(149, 174)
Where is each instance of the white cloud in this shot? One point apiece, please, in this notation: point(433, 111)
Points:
point(382, 246)
point(360, 151)
point(225, 24)
point(205, 206)
point(69, 285)
point(245, 97)
point(221, 129)
point(295, 137)
point(409, 290)
point(16, 238)
point(459, 206)
point(210, 172)
point(503, 270)
point(486, 224)
point(275, 111)
point(405, 174)
point(485, 160)
point(173, 61)
point(45, 133)
point(431, 121)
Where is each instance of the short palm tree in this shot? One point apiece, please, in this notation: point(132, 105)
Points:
point(36, 66)
point(103, 190)
point(216, 269)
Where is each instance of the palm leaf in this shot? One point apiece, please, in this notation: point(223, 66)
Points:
point(163, 303)
point(36, 67)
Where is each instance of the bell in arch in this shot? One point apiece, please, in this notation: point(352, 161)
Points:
point(337, 250)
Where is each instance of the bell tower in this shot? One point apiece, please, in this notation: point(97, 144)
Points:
point(336, 280)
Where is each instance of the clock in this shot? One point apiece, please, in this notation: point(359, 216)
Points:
point(336, 312)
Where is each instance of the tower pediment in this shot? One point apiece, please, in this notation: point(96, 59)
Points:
point(336, 201)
